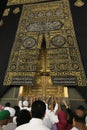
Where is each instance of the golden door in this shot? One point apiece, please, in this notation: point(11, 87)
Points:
point(43, 87)
point(43, 84)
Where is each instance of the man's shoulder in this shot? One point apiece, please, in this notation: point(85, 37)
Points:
point(74, 128)
point(22, 127)
point(25, 127)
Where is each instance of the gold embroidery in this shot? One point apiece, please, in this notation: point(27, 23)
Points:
point(16, 10)
point(15, 2)
point(1, 23)
point(49, 23)
point(79, 3)
point(6, 12)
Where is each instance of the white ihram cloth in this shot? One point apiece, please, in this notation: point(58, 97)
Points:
point(86, 120)
point(74, 128)
point(50, 117)
point(9, 126)
point(34, 124)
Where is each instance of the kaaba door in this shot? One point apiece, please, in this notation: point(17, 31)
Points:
point(43, 84)
point(43, 87)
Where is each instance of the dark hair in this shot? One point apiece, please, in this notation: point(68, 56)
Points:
point(23, 117)
point(81, 107)
point(38, 109)
point(7, 104)
point(17, 109)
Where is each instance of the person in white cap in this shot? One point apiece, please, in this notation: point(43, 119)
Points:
point(24, 104)
point(10, 125)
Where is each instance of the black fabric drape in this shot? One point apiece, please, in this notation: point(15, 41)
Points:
point(8, 30)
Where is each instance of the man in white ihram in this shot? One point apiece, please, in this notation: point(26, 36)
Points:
point(38, 112)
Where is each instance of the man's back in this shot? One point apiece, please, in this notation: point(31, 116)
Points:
point(38, 110)
point(34, 123)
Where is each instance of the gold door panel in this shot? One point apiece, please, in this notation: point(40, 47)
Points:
point(43, 87)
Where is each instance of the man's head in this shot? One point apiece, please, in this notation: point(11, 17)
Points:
point(79, 116)
point(7, 104)
point(4, 116)
point(38, 109)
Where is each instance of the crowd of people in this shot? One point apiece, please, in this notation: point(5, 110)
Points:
point(41, 113)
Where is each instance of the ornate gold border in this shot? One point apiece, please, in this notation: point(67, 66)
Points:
point(15, 2)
